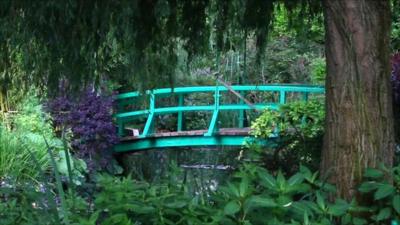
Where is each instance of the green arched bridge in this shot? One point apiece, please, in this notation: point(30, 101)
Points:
point(138, 130)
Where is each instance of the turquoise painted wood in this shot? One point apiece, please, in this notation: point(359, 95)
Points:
point(146, 140)
point(180, 113)
point(186, 141)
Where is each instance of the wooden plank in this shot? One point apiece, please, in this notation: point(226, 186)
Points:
point(221, 132)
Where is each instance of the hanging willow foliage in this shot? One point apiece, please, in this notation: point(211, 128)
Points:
point(85, 41)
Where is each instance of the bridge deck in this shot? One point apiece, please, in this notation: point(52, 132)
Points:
point(221, 132)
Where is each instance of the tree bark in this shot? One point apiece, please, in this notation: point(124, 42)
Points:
point(359, 129)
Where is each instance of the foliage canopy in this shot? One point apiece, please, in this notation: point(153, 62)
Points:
point(126, 40)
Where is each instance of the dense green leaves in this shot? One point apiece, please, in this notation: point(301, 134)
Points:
point(299, 126)
point(126, 41)
point(241, 201)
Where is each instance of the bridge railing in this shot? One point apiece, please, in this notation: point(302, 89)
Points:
point(123, 116)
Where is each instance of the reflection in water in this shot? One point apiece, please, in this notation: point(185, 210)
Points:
point(201, 169)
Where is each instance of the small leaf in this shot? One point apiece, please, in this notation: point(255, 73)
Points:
point(383, 191)
point(231, 208)
point(384, 214)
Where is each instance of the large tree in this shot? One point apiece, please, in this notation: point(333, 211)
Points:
point(359, 121)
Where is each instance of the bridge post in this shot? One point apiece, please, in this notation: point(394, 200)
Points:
point(121, 125)
point(305, 96)
point(180, 113)
point(282, 97)
point(241, 112)
point(121, 128)
point(214, 120)
point(149, 123)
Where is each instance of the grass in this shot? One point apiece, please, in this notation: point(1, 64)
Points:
point(15, 159)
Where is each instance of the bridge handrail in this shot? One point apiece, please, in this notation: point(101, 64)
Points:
point(194, 89)
point(123, 117)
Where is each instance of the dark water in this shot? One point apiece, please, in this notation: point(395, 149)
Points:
point(201, 169)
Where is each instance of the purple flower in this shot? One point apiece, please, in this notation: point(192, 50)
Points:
point(396, 77)
point(90, 120)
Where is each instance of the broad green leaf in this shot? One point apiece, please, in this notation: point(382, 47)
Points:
point(281, 181)
point(368, 186)
point(144, 209)
point(306, 219)
point(339, 208)
point(383, 191)
point(346, 219)
point(384, 214)
point(296, 179)
point(233, 190)
point(231, 208)
point(299, 207)
point(267, 180)
point(359, 221)
point(396, 203)
point(176, 204)
point(306, 172)
point(320, 201)
point(373, 173)
point(243, 187)
point(258, 202)
point(246, 222)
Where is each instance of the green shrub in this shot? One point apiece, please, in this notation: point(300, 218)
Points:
point(318, 71)
point(252, 196)
point(299, 127)
point(15, 160)
point(30, 127)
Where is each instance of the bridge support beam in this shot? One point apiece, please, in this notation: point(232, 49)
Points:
point(148, 128)
point(241, 112)
point(189, 141)
point(180, 113)
point(212, 128)
point(282, 97)
point(213, 124)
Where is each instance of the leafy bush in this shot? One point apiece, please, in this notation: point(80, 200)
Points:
point(318, 71)
point(15, 159)
point(252, 196)
point(299, 127)
point(90, 120)
point(29, 128)
point(383, 195)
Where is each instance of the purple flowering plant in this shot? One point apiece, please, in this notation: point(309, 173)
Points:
point(89, 117)
point(395, 61)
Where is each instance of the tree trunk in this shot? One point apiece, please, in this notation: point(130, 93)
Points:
point(359, 120)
